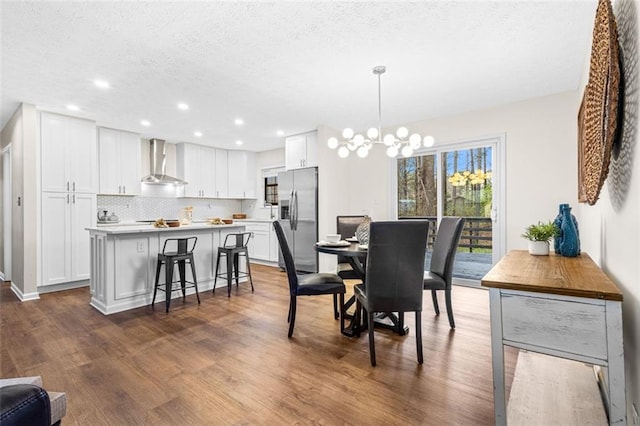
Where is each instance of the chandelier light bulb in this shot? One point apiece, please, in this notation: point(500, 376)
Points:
point(347, 133)
point(389, 139)
point(358, 139)
point(392, 151)
point(428, 141)
point(332, 143)
point(402, 132)
point(372, 133)
point(415, 141)
point(407, 151)
point(343, 152)
point(352, 146)
point(362, 152)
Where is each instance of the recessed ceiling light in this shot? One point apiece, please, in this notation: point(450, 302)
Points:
point(197, 134)
point(73, 107)
point(239, 121)
point(183, 106)
point(280, 133)
point(145, 123)
point(239, 142)
point(102, 84)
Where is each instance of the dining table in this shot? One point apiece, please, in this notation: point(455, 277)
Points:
point(356, 255)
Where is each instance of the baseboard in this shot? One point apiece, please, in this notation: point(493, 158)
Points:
point(63, 286)
point(24, 297)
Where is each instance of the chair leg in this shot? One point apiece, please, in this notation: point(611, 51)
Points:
point(372, 346)
point(229, 274)
point(358, 318)
point(335, 306)
point(434, 297)
point(447, 298)
point(183, 280)
point(215, 276)
point(195, 280)
point(168, 268)
point(293, 315)
point(419, 336)
point(341, 313)
point(249, 271)
point(236, 268)
point(155, 288)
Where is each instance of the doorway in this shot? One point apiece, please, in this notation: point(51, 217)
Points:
point(458, 179)
point(6, 211)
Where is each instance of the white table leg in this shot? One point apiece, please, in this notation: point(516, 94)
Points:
point(497, 355)
point(615, 376)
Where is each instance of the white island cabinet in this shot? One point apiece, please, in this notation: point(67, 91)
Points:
point(123, 262)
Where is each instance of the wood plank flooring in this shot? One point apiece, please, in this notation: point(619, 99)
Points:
point(229, 361)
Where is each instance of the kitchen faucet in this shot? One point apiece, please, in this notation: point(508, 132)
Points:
point(271, 215)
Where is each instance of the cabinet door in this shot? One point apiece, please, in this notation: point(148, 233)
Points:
point(311, 159)
point(274, 248)
point(295, 152)
point(188, 168)
point(207, 166)
point(258, 245)
point(83, 215)
point(108, 161)
point(251, 175)
point(237, 169)
point(83, 155)
point(56, 243)
point(53, 142)
point(222, 179)
point(130, 163)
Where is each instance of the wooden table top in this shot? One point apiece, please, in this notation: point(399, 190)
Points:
point(569, 276)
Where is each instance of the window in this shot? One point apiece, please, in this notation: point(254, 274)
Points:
point(271, 190)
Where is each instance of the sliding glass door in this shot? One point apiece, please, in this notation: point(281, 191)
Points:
point(456, 180)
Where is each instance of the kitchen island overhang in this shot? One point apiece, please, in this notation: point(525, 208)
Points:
point(123, 262)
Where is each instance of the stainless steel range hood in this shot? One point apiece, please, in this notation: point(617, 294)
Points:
point(158, 158)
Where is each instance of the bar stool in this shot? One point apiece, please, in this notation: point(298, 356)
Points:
point(181, 252)
point(233, 250)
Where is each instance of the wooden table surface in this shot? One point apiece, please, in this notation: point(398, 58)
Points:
point(569, 276)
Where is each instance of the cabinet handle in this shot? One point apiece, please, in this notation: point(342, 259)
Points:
point(124, 189)
point(74, 186)
point(67, 198)
point(67, 185)
point(74, 198)
point(119, 189)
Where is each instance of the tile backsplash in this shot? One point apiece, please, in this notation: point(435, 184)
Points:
point(151, 208)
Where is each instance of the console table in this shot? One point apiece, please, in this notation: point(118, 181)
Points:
point(560, 306)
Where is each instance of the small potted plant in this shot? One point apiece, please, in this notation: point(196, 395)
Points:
point(539, 236)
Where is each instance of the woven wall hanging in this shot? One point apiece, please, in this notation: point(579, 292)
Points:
point(598, 118)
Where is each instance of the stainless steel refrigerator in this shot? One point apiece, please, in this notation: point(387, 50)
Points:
point(298, 215)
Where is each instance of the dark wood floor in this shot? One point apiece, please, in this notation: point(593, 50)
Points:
point(228, 361)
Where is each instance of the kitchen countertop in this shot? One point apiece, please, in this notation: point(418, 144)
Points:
point(254, 220)
point(132, 228)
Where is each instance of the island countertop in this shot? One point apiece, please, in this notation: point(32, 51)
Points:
point(141, 228)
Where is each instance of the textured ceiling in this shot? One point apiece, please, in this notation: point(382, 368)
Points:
point(285, 65)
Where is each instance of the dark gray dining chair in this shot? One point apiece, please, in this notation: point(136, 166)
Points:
point(308, 284)
point(346, 226)
point(440, 273)
point(393, 281)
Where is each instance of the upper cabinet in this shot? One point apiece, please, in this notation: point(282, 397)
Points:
point(242, 174)
point(69, 160)
point(196, 165)
point(301, 151)
point(222, 179)
point(120, 162)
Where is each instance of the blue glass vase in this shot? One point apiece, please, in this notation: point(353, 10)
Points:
point(568, 242)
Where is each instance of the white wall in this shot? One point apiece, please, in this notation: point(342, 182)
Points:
point(610, 230)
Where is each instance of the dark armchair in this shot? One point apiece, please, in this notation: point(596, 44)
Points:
point(439, 275)
point(395, 268)
point(308, 284)
point(346, 226)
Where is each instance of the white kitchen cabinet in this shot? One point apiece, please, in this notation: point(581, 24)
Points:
point(196, 165)
point(242, 174)
point(65, 242)
point(301, 151)
point(120, 162)
point(259, 245)
point(69, 155)
point(274, 245)
point(221, 173)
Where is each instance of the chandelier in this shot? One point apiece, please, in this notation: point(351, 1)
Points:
point(401, 142)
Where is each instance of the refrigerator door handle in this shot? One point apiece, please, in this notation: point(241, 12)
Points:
point(295, 203)
point(291, 207)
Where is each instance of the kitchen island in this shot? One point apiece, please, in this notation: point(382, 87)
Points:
point(123, 261)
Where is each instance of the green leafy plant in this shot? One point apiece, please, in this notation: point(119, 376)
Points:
point(541, 232)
